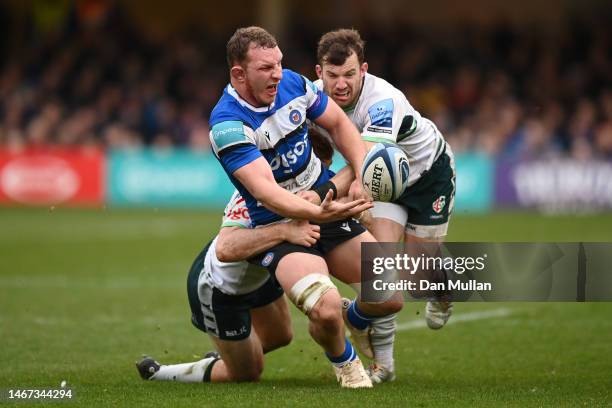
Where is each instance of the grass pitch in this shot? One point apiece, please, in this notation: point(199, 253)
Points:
point(83, 293)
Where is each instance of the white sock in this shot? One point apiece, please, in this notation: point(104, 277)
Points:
point(383, 339)
point(186, 372)
point(383, 356)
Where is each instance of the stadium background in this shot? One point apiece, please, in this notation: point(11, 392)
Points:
point(108, 187)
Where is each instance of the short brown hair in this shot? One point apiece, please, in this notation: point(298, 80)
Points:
point(336, 46)
point(238, 46)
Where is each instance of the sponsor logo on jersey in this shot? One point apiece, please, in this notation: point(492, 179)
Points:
point(267, 259)
point(439, 204)
point(238, 213)
point(228, 133)
point(379, 130)
point(295, 116)
point(381, 113)
point(290, 157)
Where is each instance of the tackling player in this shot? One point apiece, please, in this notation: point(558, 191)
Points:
point(239, 305)
point(259, 134)
point(383, 114)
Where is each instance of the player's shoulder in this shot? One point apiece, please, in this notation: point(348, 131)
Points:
point(227, 109)
point(295, 84)
point(376, 89)
point(380, 100)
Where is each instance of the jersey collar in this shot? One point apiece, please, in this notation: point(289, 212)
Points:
point(232, 92)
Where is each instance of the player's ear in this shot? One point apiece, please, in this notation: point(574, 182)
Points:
point(238, 73)
point(364, 68)
point(319, 71)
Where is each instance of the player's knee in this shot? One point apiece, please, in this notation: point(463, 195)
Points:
point(282, 338)
point(327, 314)
point(285, 337)
point(390, 306)
point(308, 293)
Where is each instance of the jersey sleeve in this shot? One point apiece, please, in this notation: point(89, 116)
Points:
point(383, 121)
point(236, 213)
point(316, 100)
point(234, 145)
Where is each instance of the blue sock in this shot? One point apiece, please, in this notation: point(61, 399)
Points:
point(356, 317)
point(348, 355)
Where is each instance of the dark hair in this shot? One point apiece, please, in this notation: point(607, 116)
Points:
point(239, 44)
point(336, 46)
point(322, 147)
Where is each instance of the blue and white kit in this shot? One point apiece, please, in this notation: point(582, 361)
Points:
point(241, 133)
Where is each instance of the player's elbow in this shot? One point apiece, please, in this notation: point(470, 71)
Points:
point(225, 253)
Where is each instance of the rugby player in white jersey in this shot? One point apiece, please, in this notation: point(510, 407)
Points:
point(259, 135)
point(382, 113)
point(239, 305)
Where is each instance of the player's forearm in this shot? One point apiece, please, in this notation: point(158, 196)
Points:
point(258, 179)
point(286, 204)
point(238, 244)
point(342, 180)
point(349, 143)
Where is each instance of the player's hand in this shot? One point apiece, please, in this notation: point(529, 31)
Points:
point(334, 211)
point(356, 191)
point(301, 232)
point(365, 219)
point(310, 196)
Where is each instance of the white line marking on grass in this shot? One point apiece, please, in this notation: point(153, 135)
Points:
point(464, 317)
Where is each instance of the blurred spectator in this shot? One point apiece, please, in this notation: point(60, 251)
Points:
point(85, 76)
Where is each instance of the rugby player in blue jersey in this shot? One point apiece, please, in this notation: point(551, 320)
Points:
point(259, 134)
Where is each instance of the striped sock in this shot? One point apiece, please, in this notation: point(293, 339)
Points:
point(356, 317)
point(348, 355)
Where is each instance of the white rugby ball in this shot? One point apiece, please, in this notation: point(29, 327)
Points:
point(385, 172)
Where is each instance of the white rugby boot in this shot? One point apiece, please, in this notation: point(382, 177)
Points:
point(437, 313)
point(360, 338)
point(353, 375)
point(380, 374)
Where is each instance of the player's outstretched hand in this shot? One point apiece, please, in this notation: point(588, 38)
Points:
point(334, 211)
point(301, 232)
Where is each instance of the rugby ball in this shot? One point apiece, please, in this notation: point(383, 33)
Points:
point(385, 172)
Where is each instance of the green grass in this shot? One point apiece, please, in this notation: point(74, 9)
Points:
point(83, 293)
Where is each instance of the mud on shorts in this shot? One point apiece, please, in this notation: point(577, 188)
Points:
point(225, 316)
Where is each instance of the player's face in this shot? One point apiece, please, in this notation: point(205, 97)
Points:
point(343, 82)
point(263, 72)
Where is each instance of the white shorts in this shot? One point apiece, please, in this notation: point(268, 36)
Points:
point(399, 214)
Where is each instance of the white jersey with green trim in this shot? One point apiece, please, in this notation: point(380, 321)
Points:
point(383, 114)
point(233, 278)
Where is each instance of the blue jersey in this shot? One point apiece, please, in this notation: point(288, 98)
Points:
point(241, 133)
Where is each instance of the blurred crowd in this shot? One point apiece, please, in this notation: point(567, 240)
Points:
point(502, 90)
